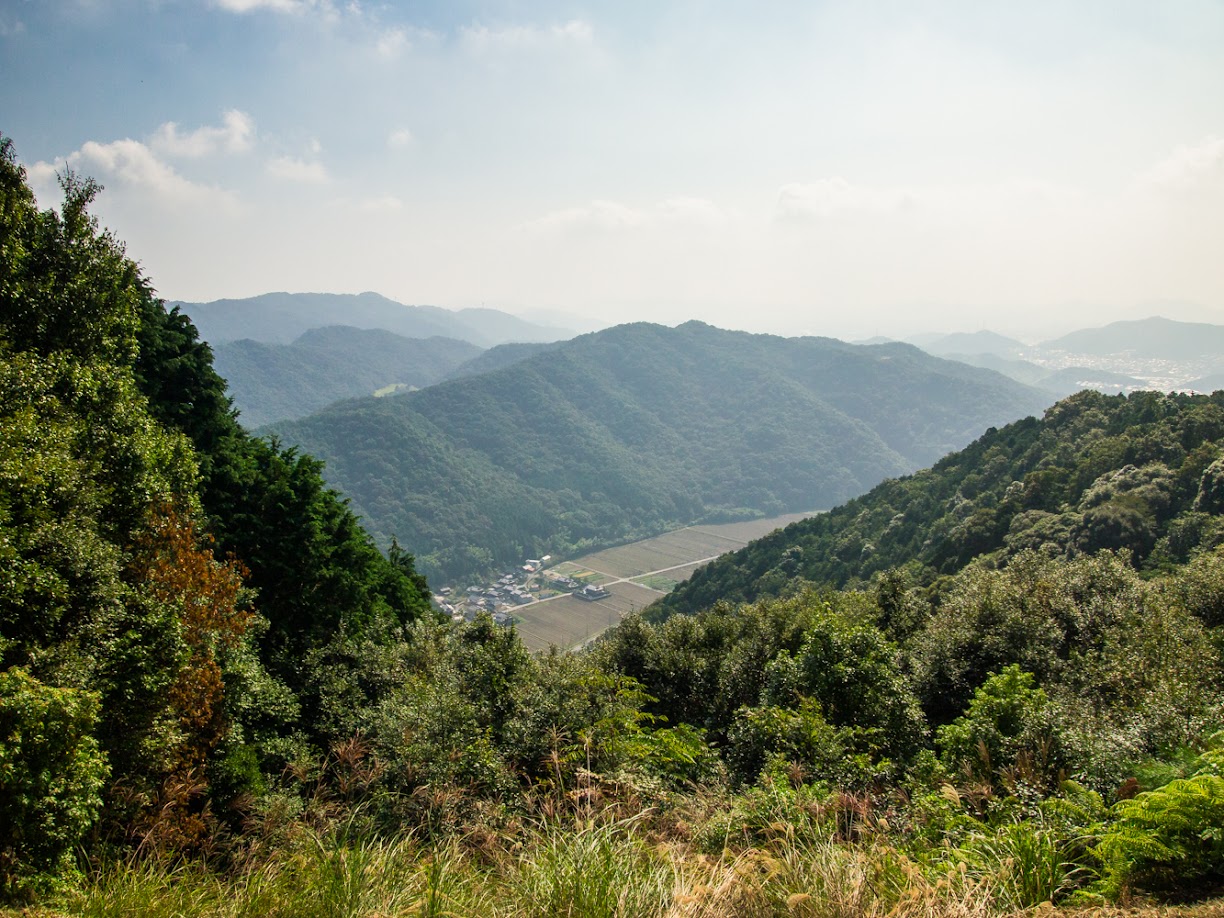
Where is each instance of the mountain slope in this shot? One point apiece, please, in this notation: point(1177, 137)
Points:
point(639, 428)
point(1141, 474)
point(503, 355)
point(271, 382)
point(279, 318)
point(979, 342)
point(1154, 338)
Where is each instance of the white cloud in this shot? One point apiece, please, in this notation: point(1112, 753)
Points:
point(235, 135)
point(132, 165)
point(392, 42)
point(479, 39)
point(834, 197)
point(298, 170)
point(1189, 169)
point(611, 216)
point(278, 6)
point(692, 211)
point(386, 204)
point(598, 215)
point(9, 28)
point(400, 139)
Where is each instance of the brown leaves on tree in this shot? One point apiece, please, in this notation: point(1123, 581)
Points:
point(176, 567)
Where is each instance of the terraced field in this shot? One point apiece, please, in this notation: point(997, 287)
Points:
point(635, 575)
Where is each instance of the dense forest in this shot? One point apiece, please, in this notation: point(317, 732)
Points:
point(634, 430)
point(218, 698)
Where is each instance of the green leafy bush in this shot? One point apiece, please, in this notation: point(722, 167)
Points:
point(1007, 734)
point(51, 775)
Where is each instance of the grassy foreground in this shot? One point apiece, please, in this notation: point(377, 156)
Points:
point(796, 861)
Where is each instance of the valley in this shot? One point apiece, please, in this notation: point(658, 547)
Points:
point(640, 429)
point(634, 576)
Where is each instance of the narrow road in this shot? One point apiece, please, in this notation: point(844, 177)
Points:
point(630, 579)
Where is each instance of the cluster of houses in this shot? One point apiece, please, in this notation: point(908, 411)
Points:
point(513, 588)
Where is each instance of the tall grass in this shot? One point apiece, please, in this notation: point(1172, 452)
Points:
point(594, 871)
point(556, 869)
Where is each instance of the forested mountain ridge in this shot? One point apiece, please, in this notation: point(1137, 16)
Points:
point(271, 382)
point(501, 355)
point(629, 431)
point(1141, 473)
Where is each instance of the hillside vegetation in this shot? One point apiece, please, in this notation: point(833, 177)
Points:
point(1138, 473)
point(272, 382)
point(217, 698)
point(631, 431)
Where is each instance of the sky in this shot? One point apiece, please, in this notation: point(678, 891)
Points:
point(840, 168)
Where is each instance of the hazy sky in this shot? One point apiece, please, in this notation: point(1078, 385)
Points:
point(844, 168)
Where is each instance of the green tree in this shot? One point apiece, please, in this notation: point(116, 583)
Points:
point(1007, 735)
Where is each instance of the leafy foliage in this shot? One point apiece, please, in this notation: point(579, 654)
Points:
point(51, 776)
point(1169, 838)
point(114, 591)
point(1009, 723)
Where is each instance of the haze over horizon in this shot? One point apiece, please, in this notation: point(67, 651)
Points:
point(794, 168)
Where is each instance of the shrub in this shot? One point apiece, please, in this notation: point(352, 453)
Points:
point(1006, 733)
point(51, 775)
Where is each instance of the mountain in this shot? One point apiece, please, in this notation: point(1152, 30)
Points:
point(979, 342)
point(632, 430)
point(270, 382)
point(1209, 383)
point(1022, 371)
point(503, 355)
point(1141, 474)
point(1153, 339)
point(279, 318)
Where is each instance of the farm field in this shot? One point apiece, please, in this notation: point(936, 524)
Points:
point(569, 622)
point(753, 529)
point(635, 574)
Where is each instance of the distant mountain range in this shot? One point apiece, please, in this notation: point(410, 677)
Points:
point(1153, 339)
point(273, 382)
point(636, 429)
point(1209, 383)
point(979, 342)
point(1122, 357)
point(280, 318)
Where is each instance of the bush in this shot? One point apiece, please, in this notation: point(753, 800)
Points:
point(1007, 732)
point(51, 775)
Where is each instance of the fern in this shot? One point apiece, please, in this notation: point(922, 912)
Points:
point(1169, 838)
